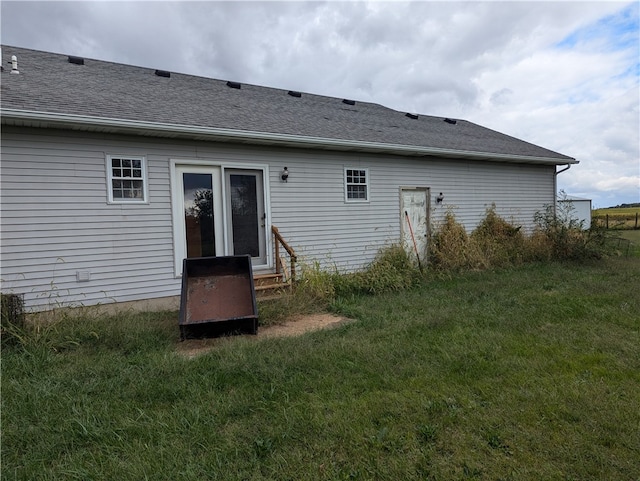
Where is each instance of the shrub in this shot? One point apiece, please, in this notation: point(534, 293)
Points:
point(539, 248)
point(493, 243)
point(498, 242)
point(566, 238)
point(450, 249)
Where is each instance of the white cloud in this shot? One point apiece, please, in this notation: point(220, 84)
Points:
point(563, 75)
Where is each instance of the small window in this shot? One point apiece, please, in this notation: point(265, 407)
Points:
point(356, 183)
point(127, 179)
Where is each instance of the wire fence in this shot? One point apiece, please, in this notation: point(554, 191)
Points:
point(617, 221)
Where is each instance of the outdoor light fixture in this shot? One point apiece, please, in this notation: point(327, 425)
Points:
point(440, 198)
point(285, 175)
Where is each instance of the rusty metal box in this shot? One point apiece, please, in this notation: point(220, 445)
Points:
point(218, 297)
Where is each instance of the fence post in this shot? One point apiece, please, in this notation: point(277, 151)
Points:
point(607, 221)
point(636, 226)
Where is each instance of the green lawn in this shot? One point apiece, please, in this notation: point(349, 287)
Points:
point(633, 236)
point(524, 374)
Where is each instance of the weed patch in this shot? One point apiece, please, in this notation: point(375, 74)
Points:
point(391, 270)
point(494, 244)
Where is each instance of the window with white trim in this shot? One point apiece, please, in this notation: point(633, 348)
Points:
point(127, 179)
point(356, 185)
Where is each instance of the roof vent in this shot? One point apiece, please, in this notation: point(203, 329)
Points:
point(163, 73)
point(451, 121)
point(75, 60)
point(14, 64)
point(411, 116)
point(293, 93)
point(234, 85)
point(348, 102)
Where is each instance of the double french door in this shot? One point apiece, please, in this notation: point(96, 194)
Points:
point(219, 211)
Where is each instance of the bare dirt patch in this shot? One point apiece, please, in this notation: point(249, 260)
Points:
point(294, 327)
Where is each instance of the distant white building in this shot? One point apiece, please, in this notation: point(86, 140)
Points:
point(578, 208)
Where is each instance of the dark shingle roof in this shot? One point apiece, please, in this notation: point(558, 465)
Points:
point(50, 83)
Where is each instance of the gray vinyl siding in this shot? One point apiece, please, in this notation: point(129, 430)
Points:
point(56, 220)
point(322, 227)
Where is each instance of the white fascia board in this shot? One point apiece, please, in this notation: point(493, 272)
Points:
point(83, 122)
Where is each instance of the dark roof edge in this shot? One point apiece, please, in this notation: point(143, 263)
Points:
point(82, 122)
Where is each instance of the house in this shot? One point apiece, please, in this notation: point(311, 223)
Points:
point(112, 174)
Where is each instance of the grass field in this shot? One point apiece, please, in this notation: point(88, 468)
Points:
point(523, 374)
point(619, 218)
point(617, 211)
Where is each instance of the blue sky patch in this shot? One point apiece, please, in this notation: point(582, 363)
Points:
point(619, 31)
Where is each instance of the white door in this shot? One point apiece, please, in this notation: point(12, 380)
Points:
point(414, 212)
point(219, 212)
point(200, 220)
point(246, 216)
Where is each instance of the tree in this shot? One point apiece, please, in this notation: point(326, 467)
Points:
point(203, 205)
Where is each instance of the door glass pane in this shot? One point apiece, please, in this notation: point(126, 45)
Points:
point(198, 215)
point(244, 214)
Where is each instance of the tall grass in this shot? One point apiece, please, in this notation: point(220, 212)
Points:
point(495, 243)
point(391, 270)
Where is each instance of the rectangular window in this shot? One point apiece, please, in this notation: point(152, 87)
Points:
point(126, 179)
point(356, 182)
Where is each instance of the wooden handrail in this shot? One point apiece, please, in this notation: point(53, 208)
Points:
point(279, 240)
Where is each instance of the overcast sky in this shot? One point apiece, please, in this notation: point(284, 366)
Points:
point(563, 75)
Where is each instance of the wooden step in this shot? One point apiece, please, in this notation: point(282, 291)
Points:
point(279, 285)
point(268, 279)
point(268, 275)
point(270, 285)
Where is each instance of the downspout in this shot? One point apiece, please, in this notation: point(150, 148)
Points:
point(555, 189)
